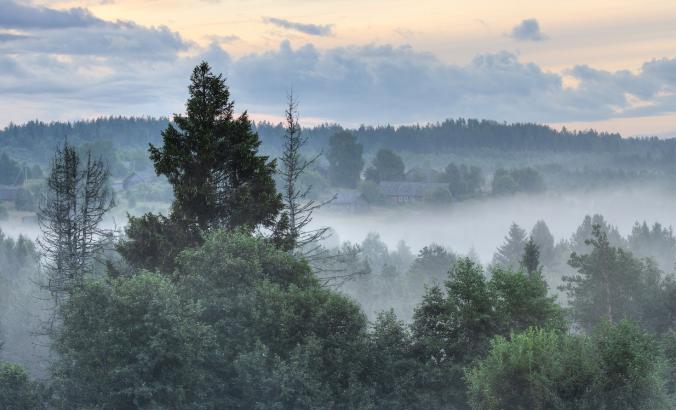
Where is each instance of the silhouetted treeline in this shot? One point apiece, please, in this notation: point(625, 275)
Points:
point(451, 134)
point(40, 138)
point(474, 134)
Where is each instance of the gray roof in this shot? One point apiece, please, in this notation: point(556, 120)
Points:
point(347, 197)
point(411, 189)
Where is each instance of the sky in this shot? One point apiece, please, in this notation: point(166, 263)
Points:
point(609, 65)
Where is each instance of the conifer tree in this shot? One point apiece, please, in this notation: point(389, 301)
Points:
point(211, 159)
point(545, 241)
point(509, 254)
point(531, 257)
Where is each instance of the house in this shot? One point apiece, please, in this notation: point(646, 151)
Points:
point(348, 201)
point(408, 192)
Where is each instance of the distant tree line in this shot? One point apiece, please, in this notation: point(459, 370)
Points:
point(446, 136)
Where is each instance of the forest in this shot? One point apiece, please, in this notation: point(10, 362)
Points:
point(204, 262)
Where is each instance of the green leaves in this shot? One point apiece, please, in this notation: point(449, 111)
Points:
point(130, 343)
point(16, 389)
point(617, 366)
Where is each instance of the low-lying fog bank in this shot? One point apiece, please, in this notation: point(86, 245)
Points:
point(481, 225)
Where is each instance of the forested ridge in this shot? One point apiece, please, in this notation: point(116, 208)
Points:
point(442, 136)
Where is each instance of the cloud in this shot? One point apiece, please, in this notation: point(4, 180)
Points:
point(125, 68)
point(393, 84)
point(113, 40)
point(76, 31)
point(528, 30)
point(306, 28)
point(20, 16)
point(224, 39)
point(11, 37)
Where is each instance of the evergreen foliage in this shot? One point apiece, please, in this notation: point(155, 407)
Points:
point(345, 160)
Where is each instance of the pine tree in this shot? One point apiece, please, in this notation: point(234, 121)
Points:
point(611, 284)
point(509, 254)
point(219, 179)
point(211, 159)
point(545, 241)
point(531, 257)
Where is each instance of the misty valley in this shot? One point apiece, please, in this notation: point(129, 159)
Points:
point(337, 205)
point(208, 261)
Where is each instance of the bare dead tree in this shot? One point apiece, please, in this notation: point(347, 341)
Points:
point(298, 206)
point(70, 214)
point(333, 267)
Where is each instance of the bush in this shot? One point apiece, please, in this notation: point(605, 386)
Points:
point(616, 367)
point(129, 343)
point(16, 389)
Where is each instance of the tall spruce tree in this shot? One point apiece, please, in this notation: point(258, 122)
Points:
point(211, 159)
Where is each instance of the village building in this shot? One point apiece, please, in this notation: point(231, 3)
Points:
point(348, 201)
point(408, 192)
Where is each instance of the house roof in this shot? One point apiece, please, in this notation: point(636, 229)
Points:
point(414, 189)
point(347, 197)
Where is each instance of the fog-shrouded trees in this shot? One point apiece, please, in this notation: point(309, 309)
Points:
point(544, 239)
point(386, 166)
point(22, 306)
point(345, 156)
point(430, 267)
point(70, 215)
point(526, 180)
point(211, 159)
point(530, 261)
point(9, 170)
point(585, 231)
point(610, 284)
point(510, 253)
point(463, 181)
point(451, 329)
point(656, 241)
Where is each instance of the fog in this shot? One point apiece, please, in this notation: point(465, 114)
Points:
point(481, 225)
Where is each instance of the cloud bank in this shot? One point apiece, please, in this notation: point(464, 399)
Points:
point(90, 67)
